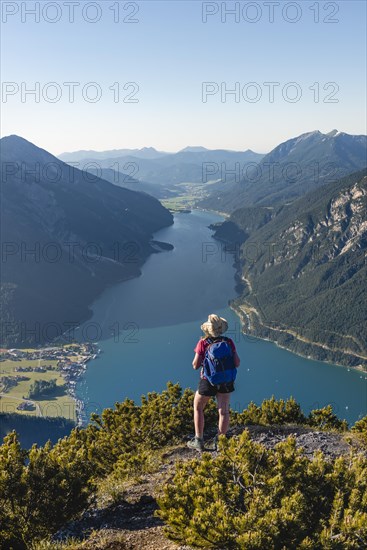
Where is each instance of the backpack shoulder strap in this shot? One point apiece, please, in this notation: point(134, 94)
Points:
point(220, 339)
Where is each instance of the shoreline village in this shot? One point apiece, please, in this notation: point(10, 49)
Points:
point(69, 361)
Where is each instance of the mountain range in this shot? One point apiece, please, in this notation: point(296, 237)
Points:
point(66, 235)
point(299, 241)
point(224, 180)
point(144, 153)
point(191, 164)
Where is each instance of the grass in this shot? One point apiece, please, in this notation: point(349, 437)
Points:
point(58, 403)
point(179, 203)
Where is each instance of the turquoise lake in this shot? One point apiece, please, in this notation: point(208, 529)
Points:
point(148, 327)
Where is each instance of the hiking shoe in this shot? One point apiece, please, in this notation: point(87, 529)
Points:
point(196, 443)
point(212, 444)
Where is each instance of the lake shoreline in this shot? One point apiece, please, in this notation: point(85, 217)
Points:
point(254, 322)
point(245, 320)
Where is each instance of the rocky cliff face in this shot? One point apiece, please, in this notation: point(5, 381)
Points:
point(342, 228)
point(347, 220)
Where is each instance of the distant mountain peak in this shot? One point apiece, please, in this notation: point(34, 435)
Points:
point(193, 149)
point(14, 138)
point(286, 172)
point(317, 133)
point(307, 135)
point(334, 133)
point(14, 147)
point(149, 149)
point(291, 144)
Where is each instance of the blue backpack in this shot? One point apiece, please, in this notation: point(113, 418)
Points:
point(219, 367)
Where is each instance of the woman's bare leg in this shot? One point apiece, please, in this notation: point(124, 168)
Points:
point(223, 412)
point(200, 402)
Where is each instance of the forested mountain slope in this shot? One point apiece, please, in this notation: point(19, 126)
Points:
point(292, 169)
point(304, 271)
point(66, 235)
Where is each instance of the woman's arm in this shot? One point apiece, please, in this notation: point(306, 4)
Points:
point(237, 360)
point(196, 363)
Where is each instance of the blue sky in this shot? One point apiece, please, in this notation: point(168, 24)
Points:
point(169, 52)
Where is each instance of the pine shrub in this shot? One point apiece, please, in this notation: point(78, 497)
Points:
point(251, 498)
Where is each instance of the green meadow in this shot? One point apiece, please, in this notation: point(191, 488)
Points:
point(57, 403)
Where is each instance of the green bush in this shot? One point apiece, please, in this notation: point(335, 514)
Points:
point(325, 419)
point(125, 437)
point(252, 498)
point(286, 499)
point(278, 412)
point(271, 411)
point(360, 428)
point(40, 490)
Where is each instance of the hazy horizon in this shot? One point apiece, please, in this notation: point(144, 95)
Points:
point(193, 146)
point(160, 150)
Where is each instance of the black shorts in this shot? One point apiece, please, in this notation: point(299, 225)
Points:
point(206, 388)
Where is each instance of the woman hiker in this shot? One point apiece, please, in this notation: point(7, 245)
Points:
point(213, 329)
